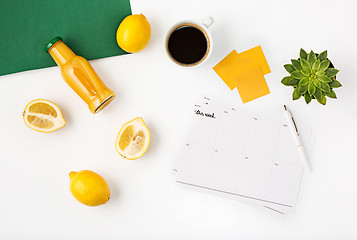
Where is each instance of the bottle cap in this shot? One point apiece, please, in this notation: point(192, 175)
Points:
point(52, 42)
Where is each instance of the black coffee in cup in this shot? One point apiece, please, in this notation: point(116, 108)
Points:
point(188, 44)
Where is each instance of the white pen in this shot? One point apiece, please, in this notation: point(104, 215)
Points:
point(297, 139)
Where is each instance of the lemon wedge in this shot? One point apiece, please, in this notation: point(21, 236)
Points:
point(43, 116)
point(133, 139)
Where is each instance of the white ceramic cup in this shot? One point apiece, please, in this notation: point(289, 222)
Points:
point(203, 27)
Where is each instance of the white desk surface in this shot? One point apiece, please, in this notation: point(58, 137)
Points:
point(146, 204)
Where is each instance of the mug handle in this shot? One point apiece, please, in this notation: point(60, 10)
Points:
point(208, 22)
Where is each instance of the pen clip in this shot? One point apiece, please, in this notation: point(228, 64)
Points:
point(295, 125)
point(291, 116)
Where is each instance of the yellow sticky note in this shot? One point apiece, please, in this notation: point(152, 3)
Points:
point(227, 69)
point(251, 58)
point(251, 84)
point(234, 64)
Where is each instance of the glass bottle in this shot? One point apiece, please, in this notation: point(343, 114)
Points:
point(80, 75)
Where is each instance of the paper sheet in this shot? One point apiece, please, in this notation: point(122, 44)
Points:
point(245, 71)
point(252, 58)
point(227, 69)
point(251, 84)
point(223, 159)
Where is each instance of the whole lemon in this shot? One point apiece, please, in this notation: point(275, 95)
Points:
point(89, 188)
point(134, 33)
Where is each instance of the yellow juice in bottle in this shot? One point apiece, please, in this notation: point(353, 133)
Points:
point(80, 75)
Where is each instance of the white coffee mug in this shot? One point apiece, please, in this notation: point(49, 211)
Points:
point(203, 27)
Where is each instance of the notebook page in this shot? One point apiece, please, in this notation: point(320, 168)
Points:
point(260, 163)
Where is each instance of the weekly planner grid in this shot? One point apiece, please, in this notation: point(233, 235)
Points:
point(235, 153)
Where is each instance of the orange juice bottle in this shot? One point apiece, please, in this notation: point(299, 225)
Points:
point(80, 75)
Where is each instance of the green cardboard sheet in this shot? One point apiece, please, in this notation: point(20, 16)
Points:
point(88, 27)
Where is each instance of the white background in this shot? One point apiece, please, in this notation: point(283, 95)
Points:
point(146, 204)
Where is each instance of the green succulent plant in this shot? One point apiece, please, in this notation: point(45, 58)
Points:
point(312, 76)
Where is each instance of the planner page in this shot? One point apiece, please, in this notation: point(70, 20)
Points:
point(238, 153)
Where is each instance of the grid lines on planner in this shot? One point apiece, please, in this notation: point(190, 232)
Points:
point(234, 151)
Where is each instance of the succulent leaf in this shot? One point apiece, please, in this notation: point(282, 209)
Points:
point(304, 81)
point(324, 65)
point(318, 94)
point(297, 74)
point(296, 94)
point(325, 79)
point(303, 54)
point(305, 64)
point(302, 89)
point(311, 88)
point(286, 80)
point(305, 72)
point(322, 100)
point(296, 64)
point(335, 84)
point(289, 67)
point(317, 83)
point(290, 81)
point(294, 82)
point(331, 94)
point(320, 73)
point(316, 65)
point(307, 97)
point(331, 72)
point(325, 87)
point(311, 57)
point(322, 56)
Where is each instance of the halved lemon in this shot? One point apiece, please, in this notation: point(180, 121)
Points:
point(133, 139)
point(43, 116)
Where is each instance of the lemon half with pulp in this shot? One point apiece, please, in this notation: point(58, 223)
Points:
point(43, 116)
point(133, 139)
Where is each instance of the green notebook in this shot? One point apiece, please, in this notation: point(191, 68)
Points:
point(88, 27)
